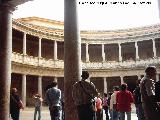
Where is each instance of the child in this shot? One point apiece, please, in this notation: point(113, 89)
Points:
point(38, 104)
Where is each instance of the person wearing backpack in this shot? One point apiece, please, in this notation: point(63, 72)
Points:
point(138, 102)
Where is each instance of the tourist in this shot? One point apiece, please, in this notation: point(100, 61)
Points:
point(113, 104)
point(83, 95)
point(99, 112)
point(147, 88)
point(138, 101)
point(38, 104)
point(124, 99)
point(15, 104)
point(53, 99)
point(105, 105)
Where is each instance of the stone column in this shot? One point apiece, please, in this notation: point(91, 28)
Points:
point(105, 85)
point(24, 43)
point(154, 48)
point(122, 81)
point(87, 53)
point(120, 52)
point(55, 50)
point(158, 1)
point(72, 56)
point(157, 77)
point(137, 55)
point(103, 53)
point(5, 58)
point(40, 48)
point(24, 89)
point(40, 85)
point(139, 76)
point(55, 79)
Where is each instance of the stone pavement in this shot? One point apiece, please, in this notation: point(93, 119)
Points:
point(28, 113)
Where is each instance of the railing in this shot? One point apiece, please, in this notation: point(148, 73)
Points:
point(36, 61)
point(50, 63)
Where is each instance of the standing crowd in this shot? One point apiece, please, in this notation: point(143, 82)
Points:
point(117, 104)
point(90, 104)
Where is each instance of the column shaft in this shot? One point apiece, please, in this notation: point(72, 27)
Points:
point(103, 53)
point(120, 52)
point(154, 48)
point(55, 79)
point(105, 85)
point(72, 56)
point(24, 43)
point(137, 55)
point(40, 85)
point(55, 50)
point(40, 48)
point(122, 81)
point(157, 77)
point(5, 58)
point(139, 76)
point(24, 89)
point(87, 53)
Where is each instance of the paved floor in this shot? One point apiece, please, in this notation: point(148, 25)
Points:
point(28, 113)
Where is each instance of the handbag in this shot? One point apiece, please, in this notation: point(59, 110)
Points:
point(20, 104)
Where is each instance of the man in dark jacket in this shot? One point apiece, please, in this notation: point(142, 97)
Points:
point(83, 94)
point(147, 87)
point(138, 102)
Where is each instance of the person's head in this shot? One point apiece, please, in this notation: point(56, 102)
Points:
point(85, 75)
point(151, 71)
point(115, 88)
point(124, 87)
point(99, 94)
point(14, 90)
point(105, 94)
point(54, 84)
point(110, 93)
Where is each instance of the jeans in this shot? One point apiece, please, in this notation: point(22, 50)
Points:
point(37, 110)
point(114, 115)
point(55, 112)
point(140, 111)
point(85, 112)
point(122, 115)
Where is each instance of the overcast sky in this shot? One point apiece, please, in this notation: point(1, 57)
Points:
point(96, 16)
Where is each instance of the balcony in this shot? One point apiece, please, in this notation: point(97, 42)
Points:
point(50, 63)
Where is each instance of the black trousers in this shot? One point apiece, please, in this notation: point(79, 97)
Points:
point(15, 114)
point(85, 112)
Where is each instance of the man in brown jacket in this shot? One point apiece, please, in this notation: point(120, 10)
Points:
point(147, 88)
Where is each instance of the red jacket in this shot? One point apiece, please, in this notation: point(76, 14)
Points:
point(124, 100)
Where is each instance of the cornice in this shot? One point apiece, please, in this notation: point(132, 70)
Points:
point(37, 31)
point(94, 37)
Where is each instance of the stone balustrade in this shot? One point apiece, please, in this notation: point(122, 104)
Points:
point(50, 63)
